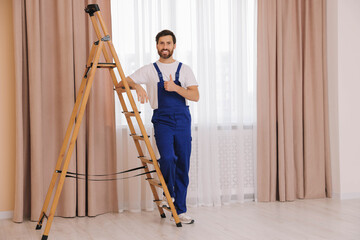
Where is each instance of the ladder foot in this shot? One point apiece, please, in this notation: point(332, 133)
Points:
point(38, 227)
point(163, 215)
point(44, 237)
point(179, 224)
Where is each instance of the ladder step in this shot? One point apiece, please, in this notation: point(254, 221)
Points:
point(145, 160)
point(158, 203)
point(129, 114)
point(166, 208)
point(137, 137)
point(106, 65)
point(122, 89)
point(154, 182)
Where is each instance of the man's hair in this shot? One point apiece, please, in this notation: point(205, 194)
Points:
point(165, 33)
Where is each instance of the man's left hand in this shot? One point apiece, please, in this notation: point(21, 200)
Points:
point(170, 86)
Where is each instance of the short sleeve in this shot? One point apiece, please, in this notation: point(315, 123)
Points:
point(190, 79)
point(142, 75)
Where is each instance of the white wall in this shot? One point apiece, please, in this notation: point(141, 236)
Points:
point(332, 54)
point(344, 95)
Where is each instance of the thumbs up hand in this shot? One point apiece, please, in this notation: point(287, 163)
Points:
point(170, 86)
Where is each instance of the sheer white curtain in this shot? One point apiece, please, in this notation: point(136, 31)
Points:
point(217, 38)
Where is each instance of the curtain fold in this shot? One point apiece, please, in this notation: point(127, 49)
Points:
point(52, 43)
point(293, 136)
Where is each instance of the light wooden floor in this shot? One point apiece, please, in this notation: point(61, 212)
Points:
point(302, 219)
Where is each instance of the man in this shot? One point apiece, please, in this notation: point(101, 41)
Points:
point(171, 116)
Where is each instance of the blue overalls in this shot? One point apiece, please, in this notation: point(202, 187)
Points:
point(172, 125)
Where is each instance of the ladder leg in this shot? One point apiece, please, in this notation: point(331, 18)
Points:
point(72, 142)
point(65, 142)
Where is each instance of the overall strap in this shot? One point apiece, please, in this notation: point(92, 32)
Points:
point(158, 71)
point(177, 74)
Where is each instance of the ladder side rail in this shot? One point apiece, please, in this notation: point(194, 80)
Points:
point(73, 140)
point(141, 125)
point(112, 73)
point(120, 70)
point(115, 82)
point(113, 53)
point(114, 79)
point(106, 55)
point(108, 59)
point(121, 73)
point(121, 98)
point(66, 139)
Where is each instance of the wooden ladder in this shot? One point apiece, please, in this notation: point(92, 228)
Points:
point(112, 61)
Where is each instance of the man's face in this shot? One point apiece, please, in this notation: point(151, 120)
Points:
point(165, 46)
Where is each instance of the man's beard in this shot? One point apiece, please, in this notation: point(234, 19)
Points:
point(165, 54)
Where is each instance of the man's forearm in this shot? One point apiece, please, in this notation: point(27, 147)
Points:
point(191, 93)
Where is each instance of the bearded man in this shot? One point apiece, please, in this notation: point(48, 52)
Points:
point(171, 116)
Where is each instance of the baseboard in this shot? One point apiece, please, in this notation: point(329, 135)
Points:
point(344, 196)
point(350, 195)
point(6, 214)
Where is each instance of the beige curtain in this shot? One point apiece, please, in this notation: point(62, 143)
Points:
point(52, 43)
point(293, 136)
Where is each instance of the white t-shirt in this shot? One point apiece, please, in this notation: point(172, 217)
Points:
point(148, 75)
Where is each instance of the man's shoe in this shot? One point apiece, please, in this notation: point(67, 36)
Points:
point(164, 203)
point(184, 218)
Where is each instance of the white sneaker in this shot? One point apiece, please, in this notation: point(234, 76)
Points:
point(164, 203)
point(184, 218)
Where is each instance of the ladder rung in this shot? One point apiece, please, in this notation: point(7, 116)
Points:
point(154, 182)
point(146, 160)
point(106, 65)
point(166, 208)
point(130, 114)
point(137, 137)
point(121, 89)
point(158, 203)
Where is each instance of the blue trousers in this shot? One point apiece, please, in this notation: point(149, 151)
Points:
point(173, 139)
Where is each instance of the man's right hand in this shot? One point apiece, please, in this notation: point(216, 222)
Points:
point(141, 93)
